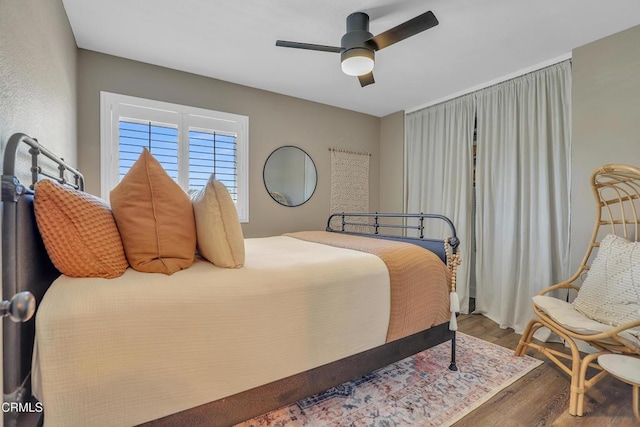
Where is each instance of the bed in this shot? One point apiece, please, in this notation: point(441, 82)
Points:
point(213, 346)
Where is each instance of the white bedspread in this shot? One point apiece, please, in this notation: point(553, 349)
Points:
point(128, 350)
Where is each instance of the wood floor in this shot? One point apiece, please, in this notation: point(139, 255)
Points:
point(541, 398)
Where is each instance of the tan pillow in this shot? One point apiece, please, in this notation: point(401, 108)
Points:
point(78, 231)
point(155, 218)
point(220, 238)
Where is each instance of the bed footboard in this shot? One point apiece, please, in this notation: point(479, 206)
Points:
point(381, 225)
point(409, 228)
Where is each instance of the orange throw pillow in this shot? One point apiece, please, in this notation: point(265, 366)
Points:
point(155, 218)
point(78, 231)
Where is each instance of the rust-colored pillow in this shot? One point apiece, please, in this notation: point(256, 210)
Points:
point(155, 218)
point(78, 231)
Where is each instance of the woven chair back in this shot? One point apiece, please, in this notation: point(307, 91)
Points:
point(616, 189)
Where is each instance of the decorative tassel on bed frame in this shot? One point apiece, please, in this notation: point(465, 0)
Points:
point(453, 261)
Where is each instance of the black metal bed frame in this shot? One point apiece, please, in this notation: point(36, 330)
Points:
point(26, 267)
point(434, 245)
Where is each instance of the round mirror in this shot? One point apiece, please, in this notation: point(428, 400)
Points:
point(290, 176)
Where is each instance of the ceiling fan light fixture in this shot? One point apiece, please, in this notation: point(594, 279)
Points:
point(357, 61)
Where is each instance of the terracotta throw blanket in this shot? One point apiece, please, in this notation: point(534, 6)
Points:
point(419, 280)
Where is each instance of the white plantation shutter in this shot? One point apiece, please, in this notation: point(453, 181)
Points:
point(160, 140)
point(213, 153)
point(191, 144)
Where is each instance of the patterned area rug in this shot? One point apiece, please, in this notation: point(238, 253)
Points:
point(417, 391)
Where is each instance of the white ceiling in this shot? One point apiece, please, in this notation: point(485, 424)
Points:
point(233, 40)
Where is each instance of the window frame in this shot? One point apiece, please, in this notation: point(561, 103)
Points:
point(185, 118)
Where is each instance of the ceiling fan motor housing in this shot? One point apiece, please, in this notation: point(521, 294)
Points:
point(353, 43)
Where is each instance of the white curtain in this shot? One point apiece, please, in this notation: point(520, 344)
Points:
point(522, 183)
point(438, 172)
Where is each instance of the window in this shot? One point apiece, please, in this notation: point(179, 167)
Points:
point(190, 143)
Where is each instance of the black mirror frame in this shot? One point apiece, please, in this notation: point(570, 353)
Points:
point(264, 181)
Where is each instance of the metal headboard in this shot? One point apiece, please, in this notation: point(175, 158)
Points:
point(370, 225)
point(35, 149)
point(26, 267)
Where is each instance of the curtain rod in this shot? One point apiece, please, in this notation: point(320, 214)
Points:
point(468, 91)
point(340, 150)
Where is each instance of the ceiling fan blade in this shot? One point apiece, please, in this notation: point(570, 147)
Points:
point(308, 46)
point(405, 30)
point(366, 79)
point(377, 12)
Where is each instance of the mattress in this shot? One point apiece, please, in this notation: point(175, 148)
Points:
point(128, 350)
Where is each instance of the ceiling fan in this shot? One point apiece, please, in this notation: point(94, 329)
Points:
point(358, 46)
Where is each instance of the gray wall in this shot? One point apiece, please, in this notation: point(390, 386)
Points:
point(38, 74)
point(392, 168)
point(274, 120)
point(37, 79)
point(392, 162)
point(606, 113)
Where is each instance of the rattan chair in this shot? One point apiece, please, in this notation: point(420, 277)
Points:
point(617, 192)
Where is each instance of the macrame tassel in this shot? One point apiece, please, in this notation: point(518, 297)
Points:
point(453, 323)
point(453, 261)
point(454, 307)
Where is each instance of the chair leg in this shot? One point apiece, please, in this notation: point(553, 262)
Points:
point(582, 378)
point(526, 338)
point(577, 370)
point(576, 393)
point(585, 384)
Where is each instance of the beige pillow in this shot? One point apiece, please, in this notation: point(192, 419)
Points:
point(78, 231)
point(155, 218)
point(220, 238)
point(611, 292)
